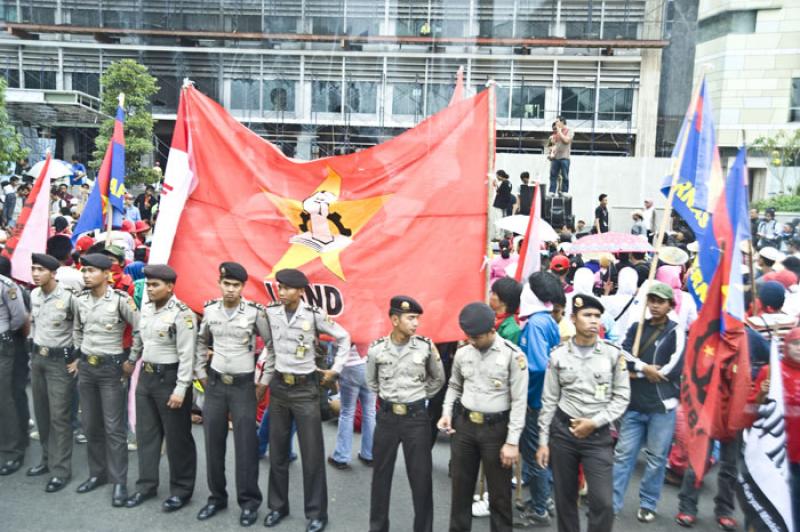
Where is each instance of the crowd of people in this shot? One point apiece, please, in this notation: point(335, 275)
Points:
point(549, 377)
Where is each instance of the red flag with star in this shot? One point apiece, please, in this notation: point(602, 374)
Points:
point(404, 217)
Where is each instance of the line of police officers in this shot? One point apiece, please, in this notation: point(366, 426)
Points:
point(81, 334)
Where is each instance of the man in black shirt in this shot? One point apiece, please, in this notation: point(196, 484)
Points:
point(525, 195)
point(601, 215)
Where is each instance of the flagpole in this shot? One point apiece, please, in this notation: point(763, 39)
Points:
point(490, 176)
point(750, 248)
point(662, 229)
point(110, 216)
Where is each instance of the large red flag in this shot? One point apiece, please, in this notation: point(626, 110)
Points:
point(405, 217)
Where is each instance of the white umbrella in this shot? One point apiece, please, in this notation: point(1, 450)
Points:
point(56, 170)
point(519, 224)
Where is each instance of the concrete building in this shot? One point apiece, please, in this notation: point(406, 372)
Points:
point(750, 52)
point(321, 77)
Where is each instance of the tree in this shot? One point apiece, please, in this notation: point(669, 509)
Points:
point(782, 151)
point(132, 79)
point(11, 149)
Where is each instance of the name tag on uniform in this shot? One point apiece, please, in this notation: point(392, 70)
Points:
point(300, 352)
point(600, 392)
point(306, 325)
point(59, 304)
point(419, 358)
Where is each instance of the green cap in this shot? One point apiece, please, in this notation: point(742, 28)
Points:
point(115, 251)
point(661, 290)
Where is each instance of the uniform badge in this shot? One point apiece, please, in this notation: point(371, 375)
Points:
point(300, 352)
point(306, 326)
point(166, 319)
point(132, 304)
point(12, 292)
point(59, 304)
point(522, 362)
point(161, 334)
point(109, 326)
point(189, 322)
point(246, 340)
point(405, 305)
point(577, 302)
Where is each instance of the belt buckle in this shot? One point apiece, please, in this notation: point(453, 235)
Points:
point(148, 368)
point(399, 409)
point(93, 360)
point(227, 379)
point(289, 379)
point(44, 351)
point(476, 417)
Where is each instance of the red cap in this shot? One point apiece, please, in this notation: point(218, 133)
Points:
point(142, 226)
point(84, 243)
point(559, 264)
point(785, 277)
point(128, 226)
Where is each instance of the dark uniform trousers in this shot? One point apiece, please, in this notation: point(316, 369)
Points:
point(20, 383)
point(103, 406)
point(239, 401)
point(595, 452)
point(470, 445)
point(413, 431)
point(12, 443)
point(301, 403)
point(53, 388)
point(155, 421)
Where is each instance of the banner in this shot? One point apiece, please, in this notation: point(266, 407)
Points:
point(404, 217)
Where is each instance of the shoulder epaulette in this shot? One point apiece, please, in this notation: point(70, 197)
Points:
point(612, 344)
point(6, 281)
point(512, 345)
point(84, 292)
point(122, 293)
point(256, 305)
point(210, 302)
point(69, 289)
point(377, 342)
point(182, 306)
point(274, 304)
point(424, 339)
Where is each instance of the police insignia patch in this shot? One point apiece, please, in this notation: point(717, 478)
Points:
point(12, 292)
point(577, 302)
point(522, 362)
point(132, 304)
point(188, 321)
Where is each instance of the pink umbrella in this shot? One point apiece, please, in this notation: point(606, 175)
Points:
point(610, 242)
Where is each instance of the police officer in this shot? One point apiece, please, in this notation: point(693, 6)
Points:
point(53, 370)
point(291, 372)
point(12, 317)
point(586, 387)
point(101, 316)
point(404, 370)
point(229, 328)
point(166, 343)
point(490, 379)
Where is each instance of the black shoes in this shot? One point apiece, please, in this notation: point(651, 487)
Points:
point(316, 525)
point(365, 461)
point(174, 503)
point(273, 518)
point(35, 471)
point(11, 466)
point(342, 466)
point(248, 517)
point(90, 485)
point(120, 496)
point(138, 498)
point(210, 510)
point(55, 484)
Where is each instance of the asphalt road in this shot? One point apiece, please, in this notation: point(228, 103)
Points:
point(24, 506)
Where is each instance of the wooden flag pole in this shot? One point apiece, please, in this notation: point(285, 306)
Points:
point(490, 177)
point(110, 214)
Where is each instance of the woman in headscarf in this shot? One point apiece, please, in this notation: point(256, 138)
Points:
point(685, 310)
point(618, 305)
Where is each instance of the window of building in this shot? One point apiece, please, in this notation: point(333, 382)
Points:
point(169, 89)
point(532, 28)
point(11, 75)
point(279, 95)
point(118, 19)
point(277, 24)
point(363, 26)
point(794, 104)
point(362, 97)
point(8, 12)
point(411, 27)
point(243, 23)
point(207, 86)
point(619, 30)
point(439, 95)
point(577, 103)
point(327, 25)
point(498, 29)
point(527, 102)
point(582, 29)
point(40, 79)
point(38, 15)
point(87, 82)
point(407, 99)
point(326, 96)
point(615, 104)
point(244, 94)
point(741, 22)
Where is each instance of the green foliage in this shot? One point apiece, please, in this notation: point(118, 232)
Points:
point(135, 82)
point(781, 150)
point(11, 149)
point(782, 203)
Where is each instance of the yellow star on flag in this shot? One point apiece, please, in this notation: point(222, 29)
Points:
point(352, 214)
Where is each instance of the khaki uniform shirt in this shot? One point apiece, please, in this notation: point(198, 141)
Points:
point(232, 339)
point(295, 339)
point(168, 335)
point(594, 386)
point(491, 382)
point(100, 322)
point(407, 373)
point(52, 316)
point(12, 307)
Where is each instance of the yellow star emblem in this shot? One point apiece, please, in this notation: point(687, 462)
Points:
point(709, 351)
point(325, 224)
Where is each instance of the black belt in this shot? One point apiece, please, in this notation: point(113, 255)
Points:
point(54, 352)
point(232, 378)
point(403, 409)
point(563, 416)
point(158, 369)
point(293, 379)
point(6, 337)
point(99, 360)
point(480, 418)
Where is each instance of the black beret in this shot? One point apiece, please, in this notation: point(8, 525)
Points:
point(96, 260)
point(51, 263)
point(160, 271)
point(404, 304)
point(232, 270)
point(59, 246)
point(476, 318)
point(508, 290)
point(582, 302)
point(292, 278)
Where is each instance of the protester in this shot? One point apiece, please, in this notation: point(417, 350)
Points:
point(131, 211)
point(558, 152)
point(638, 227)
point(504, 301)
point(790, 370)
point(601, 215)
point(499, 264)
point(525, 196)
point(146, 202)
point(353, 390)
point(503, 200)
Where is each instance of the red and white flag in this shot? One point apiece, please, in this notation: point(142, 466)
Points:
point(530, 257)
